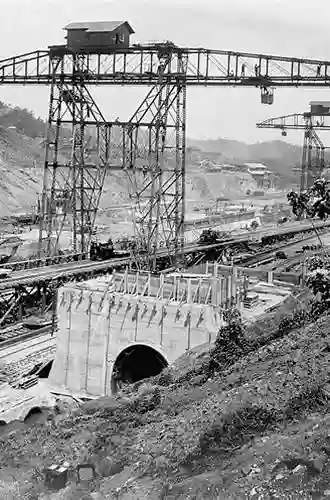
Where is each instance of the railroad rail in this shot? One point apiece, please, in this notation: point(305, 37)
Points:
point(19, 333)
point(79, 267)
point(25, 292)
point(16, 368)
point(262, 257)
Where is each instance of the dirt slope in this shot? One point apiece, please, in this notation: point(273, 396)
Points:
point(21, 172)
point(259, 429)
point(22, 156)
point(207, 186)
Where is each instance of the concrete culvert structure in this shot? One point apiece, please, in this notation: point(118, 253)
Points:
point(33, 415)
point(44, 370)
point(136, 362)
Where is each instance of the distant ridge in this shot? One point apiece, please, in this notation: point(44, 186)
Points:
point(280, 156)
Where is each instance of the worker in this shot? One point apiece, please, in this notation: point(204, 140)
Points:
point(318, 71)
point(243, 70)
point(117, 377)
point(256, 69)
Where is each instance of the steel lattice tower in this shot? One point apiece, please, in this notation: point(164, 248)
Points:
point(72, 190)
point(154, 161)
point(151, 152)
point(313, 157)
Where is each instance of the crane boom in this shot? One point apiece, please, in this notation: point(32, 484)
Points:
point(295, 121)
point(138, 65)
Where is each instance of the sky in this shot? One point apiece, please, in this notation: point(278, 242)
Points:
point(281, 27)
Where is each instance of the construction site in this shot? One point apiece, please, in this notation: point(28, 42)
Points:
point(118, 320)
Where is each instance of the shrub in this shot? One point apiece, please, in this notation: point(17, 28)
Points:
point(237, 427)
point(230, 343)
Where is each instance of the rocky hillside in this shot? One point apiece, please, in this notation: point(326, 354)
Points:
point(256, 427)
point(205, 186)
point(22, 154)
point(21, 171)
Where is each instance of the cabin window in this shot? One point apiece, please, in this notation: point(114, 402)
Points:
point(122, 38)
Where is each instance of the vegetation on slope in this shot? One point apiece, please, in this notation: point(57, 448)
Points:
point(23, 120)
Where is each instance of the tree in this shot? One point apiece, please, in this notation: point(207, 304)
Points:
point(313, 202)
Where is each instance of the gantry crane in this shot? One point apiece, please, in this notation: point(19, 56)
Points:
point(313, 158)
point(150, 147)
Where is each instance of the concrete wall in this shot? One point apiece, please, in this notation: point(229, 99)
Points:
point(96, 325)
point(260, 273)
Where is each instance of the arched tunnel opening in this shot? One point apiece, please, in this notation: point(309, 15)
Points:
point(33, 415)
point(136, 363)
point(45, 370)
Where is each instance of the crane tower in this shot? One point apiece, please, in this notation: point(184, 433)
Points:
point(149, 149)
point(313, 163)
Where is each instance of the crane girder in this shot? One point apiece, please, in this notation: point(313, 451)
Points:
point(138, 65)
point(296, 121)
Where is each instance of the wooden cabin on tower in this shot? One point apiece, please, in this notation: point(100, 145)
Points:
point(98, 36)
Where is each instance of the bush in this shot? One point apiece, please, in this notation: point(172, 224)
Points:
point(149, 398)
point(296, 320)
point(237, 427)
point(230, 343)
point(310, 398)
point(318, 262)
point(318, 281)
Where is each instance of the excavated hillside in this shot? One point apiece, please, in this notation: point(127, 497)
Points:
point(21, 171)
point(21, 166)
point(22, 155)
point(203, 185)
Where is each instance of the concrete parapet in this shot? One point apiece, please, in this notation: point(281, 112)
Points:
point(217, 270)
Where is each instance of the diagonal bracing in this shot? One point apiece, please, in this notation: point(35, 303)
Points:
point(72, 186)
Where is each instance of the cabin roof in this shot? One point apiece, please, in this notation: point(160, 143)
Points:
point(97, 27)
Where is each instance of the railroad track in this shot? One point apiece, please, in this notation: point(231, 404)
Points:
point(21, 348)
point(266, 256)
point(75, 268)
point(288, 264)
point(17, 334)
point(15, 369)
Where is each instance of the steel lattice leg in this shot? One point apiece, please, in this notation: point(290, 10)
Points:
point(154, 160)
point(73, 181)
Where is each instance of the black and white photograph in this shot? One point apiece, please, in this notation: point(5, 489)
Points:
point(164, 250)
